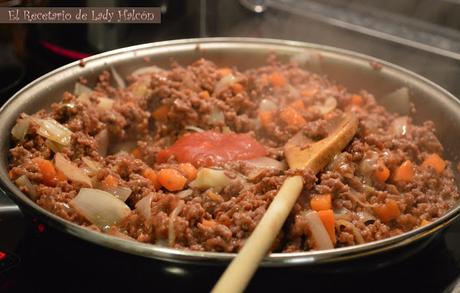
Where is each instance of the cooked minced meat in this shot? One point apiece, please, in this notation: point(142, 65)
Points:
point(191, 157)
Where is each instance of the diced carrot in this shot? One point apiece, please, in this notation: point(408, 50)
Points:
point(136, 153)
point(224, 71)
point(291, 117)
point(151, 175)
point(327, 217)
point(237, 87)
point(388, 211)
point(298, 105)
point(277, 79)
point(204, 95)
point(110, 181)
point(405, 172)
point(161, 112)
point(321, 202)
point(171, 179)
point(10, 174)
point(382, 173)
point(266, 117)
point(60, 176)
point(188, 170)
point(357, 100)
point(208, 223)
point(309, 92)
point(434, 161)
point(424, 222)
point(47, 170)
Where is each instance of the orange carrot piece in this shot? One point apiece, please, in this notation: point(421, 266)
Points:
point(291, 117)
point(382, 173)
point(388, 211)
point(277, 79)
point(405, 172)
point(204, 95)
point(171, 179)
point(434, 161)
point(266, 117)
point(327, 217)
point(321, 202)
point(208, 223)
point(161, 113)
point(188, 170)
point(224, 71)
point(47, 170)
point(110, 181)
point(237, 87)
point(60, 176)
point(136, 153)
point(298, 105)
point(357, 100)
point(151, 175)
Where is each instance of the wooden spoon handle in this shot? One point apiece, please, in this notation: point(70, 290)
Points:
point(243, 266)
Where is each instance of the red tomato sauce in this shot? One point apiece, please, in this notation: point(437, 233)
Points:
point(208, 148)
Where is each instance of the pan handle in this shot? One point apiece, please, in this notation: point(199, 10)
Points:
point(6, 205)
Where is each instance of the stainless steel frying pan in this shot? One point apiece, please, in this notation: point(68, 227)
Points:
point(356, 71)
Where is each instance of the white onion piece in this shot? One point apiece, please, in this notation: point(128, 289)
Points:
point(120, 192)
point(194, 128)
point(365, 216)
point(146, 70)
point(71, 171)
point(210, 178)
point(223, 84)
point(93, 166)
point(318, 231)
point(124, 146)
point(105, 103)
point(20, 129)
point(102, 140)
point(24, 182)
point(172, 218)
point(144, 208)
point(216, 116)
point(55, 147)
point(358, 237)
point(99, 207)
point(329, 105)
point(267, 105)
point(353, 196)
point(53, 130)
point(81, 89)
point(397, 101)
point(118, 79)
point(399, 126)
point(266, 162)
point(184, 193)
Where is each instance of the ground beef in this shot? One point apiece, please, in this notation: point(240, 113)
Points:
point(123, 130)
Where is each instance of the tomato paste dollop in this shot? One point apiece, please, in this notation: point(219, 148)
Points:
point(208, 148)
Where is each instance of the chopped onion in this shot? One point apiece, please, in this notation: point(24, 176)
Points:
point(216, 116)
point(118, 79)
point(144, 208)
point(146, 70)
point(358, 237)
point(353, 196)
point(53, 130)
point(397, 101)
point(124, 146)
point(223, 84)
point(210, 178)
point(81, 89)
point(266, 162)
point(93, 166)
point(99, 207)
point(20, 129)
point(194, 128)
point(365, 216)
point(329, 105)
point(267, 105)
point(318, 231)
point(369, 164)
point(24, 182)
point(105, 103)
point(102, 140)
point(55, 147)
point(399, 126)
point(172, 218)
point(184, 193)
point(71, 171)
point(120, 192)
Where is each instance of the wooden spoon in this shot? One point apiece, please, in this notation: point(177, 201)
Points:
point(301, 153)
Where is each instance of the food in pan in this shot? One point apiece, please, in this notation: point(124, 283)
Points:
point(191, 157)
